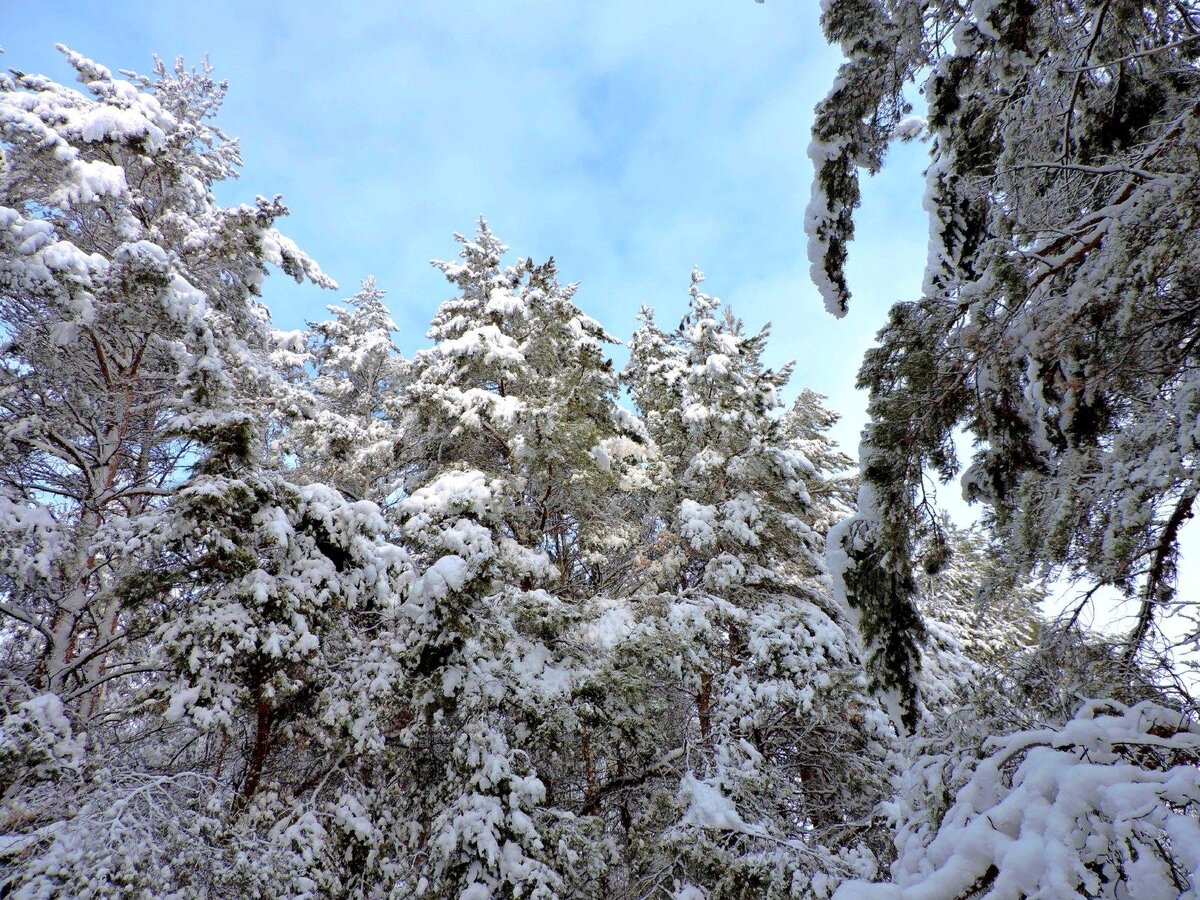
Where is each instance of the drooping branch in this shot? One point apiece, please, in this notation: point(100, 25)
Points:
point(1162, 569)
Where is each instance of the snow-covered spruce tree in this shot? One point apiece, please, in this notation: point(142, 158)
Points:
point(780, 751)
point(519, 459)
point(1058, 321)
point(354, 370)
point(178, 619)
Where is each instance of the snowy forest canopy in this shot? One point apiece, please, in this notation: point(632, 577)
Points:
point(289, 614)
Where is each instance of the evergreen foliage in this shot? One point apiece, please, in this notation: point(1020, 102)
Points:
point(1057, 323)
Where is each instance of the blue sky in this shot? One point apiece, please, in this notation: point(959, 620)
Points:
point(630, 140)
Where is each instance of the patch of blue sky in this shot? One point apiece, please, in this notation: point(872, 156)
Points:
point(631, 141)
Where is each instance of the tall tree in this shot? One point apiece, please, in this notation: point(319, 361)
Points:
point(780, 747)
point(129, 302)
point(164, 588)
point(520, 456)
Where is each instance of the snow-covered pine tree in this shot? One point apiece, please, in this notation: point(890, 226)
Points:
point(356, 373)
point(519, 457)
point(1058, 321)
point(128, 290)
point(1012, 785)
point(182, 625)
point(832, 487)
point(780, 748)
point(980, 620)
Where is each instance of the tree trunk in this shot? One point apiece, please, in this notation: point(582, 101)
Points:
point(258, 757)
